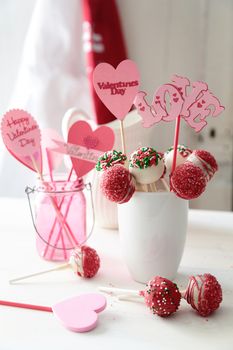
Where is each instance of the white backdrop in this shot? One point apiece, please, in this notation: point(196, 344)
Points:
point(191, 38)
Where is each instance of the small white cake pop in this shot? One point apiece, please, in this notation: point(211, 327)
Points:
point(146, 165)
point(182, 153)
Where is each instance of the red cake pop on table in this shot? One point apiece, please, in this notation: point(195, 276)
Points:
point(189, 179)
point(203, 293)
point(162, 296)
point(117, 184)
point(84, 261)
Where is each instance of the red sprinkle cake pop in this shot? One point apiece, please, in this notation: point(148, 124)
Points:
point(203, 293)
point(190, 178)
point(85, 261)
point(117, 184)
point(162, 296)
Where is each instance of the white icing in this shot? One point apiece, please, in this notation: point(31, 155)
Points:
point(168, 160)
point(148, 175)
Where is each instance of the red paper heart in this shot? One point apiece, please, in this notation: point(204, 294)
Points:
point(118, 87)
point(81, 134)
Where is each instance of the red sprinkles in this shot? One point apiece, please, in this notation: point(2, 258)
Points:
point(117, 184)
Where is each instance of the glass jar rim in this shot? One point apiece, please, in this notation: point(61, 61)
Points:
point(59, 186)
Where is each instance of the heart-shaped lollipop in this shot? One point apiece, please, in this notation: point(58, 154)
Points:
point(118, 87)
point(78, 314)
point(81, 134)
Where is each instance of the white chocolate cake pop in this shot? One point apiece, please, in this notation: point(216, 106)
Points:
point(146, 165)
point(182, 153)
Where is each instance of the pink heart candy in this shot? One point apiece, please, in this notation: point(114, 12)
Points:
point(118, 87)
point(81, 134)
point(79, 314)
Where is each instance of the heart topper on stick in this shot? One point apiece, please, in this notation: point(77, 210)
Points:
point(117, 88)
point(78, 314)
point(193, 106)
point(85, 145)
point(22, 137)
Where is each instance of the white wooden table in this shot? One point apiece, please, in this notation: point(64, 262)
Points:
point(209, 248)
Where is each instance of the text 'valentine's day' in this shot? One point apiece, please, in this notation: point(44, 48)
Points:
point(118, 88)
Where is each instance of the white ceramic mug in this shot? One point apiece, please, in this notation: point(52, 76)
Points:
point(153, 228)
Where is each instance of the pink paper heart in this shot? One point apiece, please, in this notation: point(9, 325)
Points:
point(79, 314)
point(21, 135)
point(81, 134)
point(118, 87)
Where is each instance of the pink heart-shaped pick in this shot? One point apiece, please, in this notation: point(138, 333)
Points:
point(21, 135)
point(79, 314)
point(81, 134)
point(118, 87)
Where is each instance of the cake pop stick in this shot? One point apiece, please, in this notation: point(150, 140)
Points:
point(78, 314)
point(84, 261)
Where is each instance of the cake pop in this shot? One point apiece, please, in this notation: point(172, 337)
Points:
point(146, 165)
point(117, 184)
point(160, 295)
point(182, 153)
point(84, 261)
point(189, 179)
point(109, 159)
point(203, 293)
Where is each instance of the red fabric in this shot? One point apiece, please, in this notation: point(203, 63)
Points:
point(103, 42)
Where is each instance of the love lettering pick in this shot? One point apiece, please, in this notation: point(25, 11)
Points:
point(191, 101)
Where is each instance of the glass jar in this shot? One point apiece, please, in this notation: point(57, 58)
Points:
point(59, 217)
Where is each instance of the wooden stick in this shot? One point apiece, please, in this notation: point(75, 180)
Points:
point(122, 137)
point(165, 184)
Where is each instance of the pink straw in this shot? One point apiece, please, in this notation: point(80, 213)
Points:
point(26, 306)
point(176, 139)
